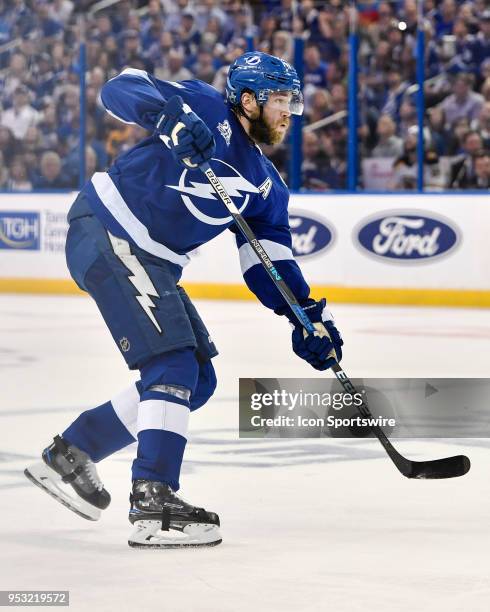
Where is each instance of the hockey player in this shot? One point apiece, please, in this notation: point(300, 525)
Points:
point(130, 231)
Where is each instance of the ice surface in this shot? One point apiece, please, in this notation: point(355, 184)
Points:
point(307, 524)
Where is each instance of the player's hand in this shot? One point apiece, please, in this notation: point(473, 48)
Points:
point(324, 348)
point(189, 138)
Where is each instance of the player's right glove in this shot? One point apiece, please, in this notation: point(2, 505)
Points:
point(322, 349)
point(189, 138)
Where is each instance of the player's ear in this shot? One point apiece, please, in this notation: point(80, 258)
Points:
point(249, 103)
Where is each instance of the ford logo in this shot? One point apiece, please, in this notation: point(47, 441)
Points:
point(310, 234)
point(407, 237)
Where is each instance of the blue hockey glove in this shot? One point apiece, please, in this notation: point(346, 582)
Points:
point(322, 349)
point(188, 137)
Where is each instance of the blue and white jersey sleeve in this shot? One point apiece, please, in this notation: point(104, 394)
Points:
point(136, 97)
point(276, 240)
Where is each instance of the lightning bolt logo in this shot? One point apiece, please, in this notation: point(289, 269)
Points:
point(140, 279)
point(234, 185)
point(237, 186)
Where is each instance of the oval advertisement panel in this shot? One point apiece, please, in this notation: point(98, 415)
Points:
point(410, 236)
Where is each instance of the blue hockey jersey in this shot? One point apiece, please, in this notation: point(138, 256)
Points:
point(149, 199)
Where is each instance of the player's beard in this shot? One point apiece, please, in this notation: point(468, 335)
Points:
point(261, 131)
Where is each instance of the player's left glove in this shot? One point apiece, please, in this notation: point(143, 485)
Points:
point(322, 349)
point(189, 138)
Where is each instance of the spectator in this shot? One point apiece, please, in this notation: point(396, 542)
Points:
point(467, 14)
point(385, 17)
point(319, 105)
point(482, 125)
point(22, 115)
point(460, 34)
point(60, 10)
point(8, 144)
point(485, 90)
point(18, 177)
point(405, 167)
point(485, 68)
point(389, 145)
point(284, 14)
point(408, 117)
point(242, 22)
point(188, 36)
point(102, 28)
point(333, 142)
point(444, 18)
point(43, 79)
point(481, 179)
point(90, 162)
point(50, 28)
point(462, 172)
point(131, 53)
point(282, 45)
point(395, 92)
point(204, 68)
point(206, 10)
point(410, 17)
point(95, 110)
point(118, 134)
point(328, 30)
point(174, 69)
point(158, 51)
point(463, 102)
point(16, 73)
point(135, 135)
point(210, 35)
point(338, 100)
point(437, 130)
point(51, 176)
point(4, 174)
point(456, 135)
point(479, 46)
point(315, 70)
point(317, 174)
point(268, 26)
point(32, 142)
point(236, 48)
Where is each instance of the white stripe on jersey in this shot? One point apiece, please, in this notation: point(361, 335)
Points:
point(115, 204)
point(119, 118)
point(276, 251)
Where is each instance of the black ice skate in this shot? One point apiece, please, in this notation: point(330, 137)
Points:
point(65, 470)
point(164, 520)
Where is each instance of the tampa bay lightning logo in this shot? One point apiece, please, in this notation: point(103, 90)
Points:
point(200, 198)
point(253, 60)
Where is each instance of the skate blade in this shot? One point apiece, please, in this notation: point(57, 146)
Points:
point(147, 534)
point(49, 481)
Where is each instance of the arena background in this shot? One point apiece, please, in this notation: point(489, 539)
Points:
point(393, 148)
point(389, 172)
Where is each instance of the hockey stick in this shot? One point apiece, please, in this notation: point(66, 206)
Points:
point(449, 467)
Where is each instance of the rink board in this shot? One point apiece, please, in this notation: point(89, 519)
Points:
point(398, 249)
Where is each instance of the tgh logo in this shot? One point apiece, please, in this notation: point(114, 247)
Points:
point(20, 230)
point(407, 237)
point(310, 235)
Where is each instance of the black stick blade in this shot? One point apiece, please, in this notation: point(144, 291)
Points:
point(450, 467)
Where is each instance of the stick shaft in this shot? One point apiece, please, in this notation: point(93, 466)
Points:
point(259, 250)
point(405, 466)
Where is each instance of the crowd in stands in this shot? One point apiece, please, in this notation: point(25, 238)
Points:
point(182, 39)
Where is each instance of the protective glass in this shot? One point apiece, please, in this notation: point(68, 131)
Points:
point(288, 101)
